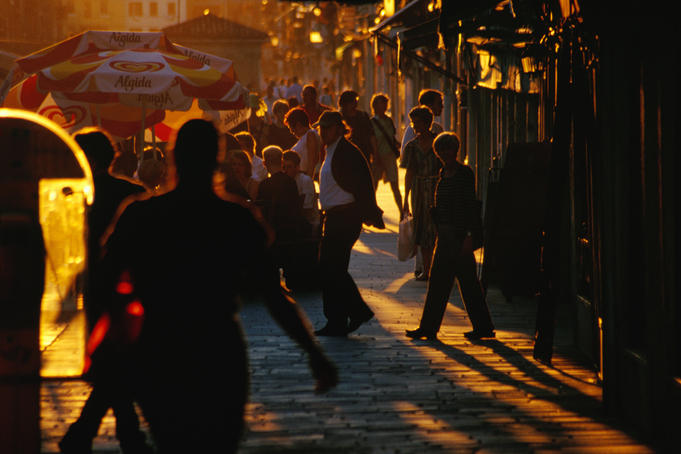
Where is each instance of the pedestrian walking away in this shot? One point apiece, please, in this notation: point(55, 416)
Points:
point(346, 193)
point(454, 212)
point(190, 253)
point(359, 122)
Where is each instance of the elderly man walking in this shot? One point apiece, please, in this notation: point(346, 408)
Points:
point(346, 193)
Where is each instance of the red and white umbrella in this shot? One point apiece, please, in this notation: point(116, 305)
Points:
point(104, 74)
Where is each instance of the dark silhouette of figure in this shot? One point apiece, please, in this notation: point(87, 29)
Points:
point(107, 391)
point(346, 193)
point(189, 368)
point(361, 128)
point(282, 208)
point(303, 270)
point(454, 211)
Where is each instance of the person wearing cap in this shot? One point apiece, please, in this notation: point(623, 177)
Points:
point(361, 128)
point(346, 194)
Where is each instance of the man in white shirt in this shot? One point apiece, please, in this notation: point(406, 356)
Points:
point(346, 193)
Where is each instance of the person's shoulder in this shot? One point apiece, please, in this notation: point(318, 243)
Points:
point(412, 143)
point(466, 172)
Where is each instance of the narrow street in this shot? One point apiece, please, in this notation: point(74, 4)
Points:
point(401, 396)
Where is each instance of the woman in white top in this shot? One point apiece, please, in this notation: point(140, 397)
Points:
point(308, 144)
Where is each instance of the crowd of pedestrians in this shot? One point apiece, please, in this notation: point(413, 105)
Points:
point(284, 196)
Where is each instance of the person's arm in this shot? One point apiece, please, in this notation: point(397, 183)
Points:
point(406, 138)
point(405, 163)
point(408, 180)
point(286, 313)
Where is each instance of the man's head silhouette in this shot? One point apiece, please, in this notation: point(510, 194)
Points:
point(195, 152)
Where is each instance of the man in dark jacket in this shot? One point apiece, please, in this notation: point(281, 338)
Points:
point(346, 193)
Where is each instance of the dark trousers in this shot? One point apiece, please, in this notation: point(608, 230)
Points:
point(191, 406)
point(448, 263)
point(341, 297)
point(107, 395)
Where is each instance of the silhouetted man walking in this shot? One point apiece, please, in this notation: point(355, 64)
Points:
point(190, 253)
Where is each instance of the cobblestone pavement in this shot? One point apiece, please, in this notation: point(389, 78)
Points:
point(401, 396)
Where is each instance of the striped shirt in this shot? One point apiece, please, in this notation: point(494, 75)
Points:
point(455, 201)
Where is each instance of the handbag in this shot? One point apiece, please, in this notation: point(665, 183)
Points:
point(394, 146)
point(406, 247)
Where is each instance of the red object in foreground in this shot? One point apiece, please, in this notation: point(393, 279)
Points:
point(123, 330)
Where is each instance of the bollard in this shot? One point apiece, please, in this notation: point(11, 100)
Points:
point(32, 149)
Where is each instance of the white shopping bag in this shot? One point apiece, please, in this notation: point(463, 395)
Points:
point(406, 248)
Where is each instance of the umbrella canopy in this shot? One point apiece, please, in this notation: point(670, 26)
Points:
point(117, 69)
point(119, 120)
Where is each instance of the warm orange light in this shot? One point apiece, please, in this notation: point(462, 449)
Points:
point(135, 308)
point(98, 333)
point(124, 286)
point(316, 37)
point(206, 12)
point(389, 7)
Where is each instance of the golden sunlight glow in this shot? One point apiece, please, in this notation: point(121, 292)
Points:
point(206, 12)
point(62, 321)
point(398, 283)
point(432, 428)
point(389, 7)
